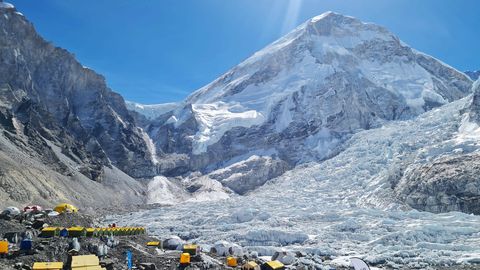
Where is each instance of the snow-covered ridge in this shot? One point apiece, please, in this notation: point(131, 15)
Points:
point(6, 5)
point(152, 111)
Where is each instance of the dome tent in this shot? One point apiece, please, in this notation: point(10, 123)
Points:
point(65, 208)
point(32, 208)
point(11, 211)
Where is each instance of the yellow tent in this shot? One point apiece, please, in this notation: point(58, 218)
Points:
point(85, 261)
point(185, 258)
point(48, 266)
point(232, 262)
point(273, 265)
point(190, 249)
point(65, 208)
point(50, 232)
point(251, 265)
point(77, 232)
point(4, 247)
point(90, 232)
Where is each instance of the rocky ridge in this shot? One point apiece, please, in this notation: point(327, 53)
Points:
point(61, 121)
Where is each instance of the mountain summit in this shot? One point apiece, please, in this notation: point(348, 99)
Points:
point(301, 97)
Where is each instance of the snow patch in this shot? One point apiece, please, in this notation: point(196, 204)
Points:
point(323, 143)
point(150, 146)
point(160, 190)
point(217, 118)
point(6, 5)
point(208, 190)
point(468, 130)
point(225, 248)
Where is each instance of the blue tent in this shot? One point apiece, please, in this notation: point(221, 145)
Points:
point(26, 244)
point(64, 233)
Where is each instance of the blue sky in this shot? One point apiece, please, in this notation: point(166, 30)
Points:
point(154, 51)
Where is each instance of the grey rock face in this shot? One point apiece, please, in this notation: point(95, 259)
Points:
point(63, 132)
point(474, 109)
point(445, 184)
point(55, 98)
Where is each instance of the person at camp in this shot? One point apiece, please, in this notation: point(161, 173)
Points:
point(28, 235)
point(74, 246)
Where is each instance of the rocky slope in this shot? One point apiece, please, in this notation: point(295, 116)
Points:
point(300, 98)
point(64, 135)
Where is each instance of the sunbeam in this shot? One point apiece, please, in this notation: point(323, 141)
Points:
point(291, 15)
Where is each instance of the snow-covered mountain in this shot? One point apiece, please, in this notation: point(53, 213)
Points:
point(299, 99)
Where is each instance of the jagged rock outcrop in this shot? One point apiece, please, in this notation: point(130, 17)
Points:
point(474, 108)
point(448, 183)
point(48, 91)
point(64, 118)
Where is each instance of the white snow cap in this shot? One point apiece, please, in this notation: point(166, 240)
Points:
point(328, 14)
point(6, 5)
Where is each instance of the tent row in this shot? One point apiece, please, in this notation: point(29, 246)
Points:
point(84, 262)
point(90, 232)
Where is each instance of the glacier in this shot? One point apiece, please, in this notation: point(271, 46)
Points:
point(344, 206)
